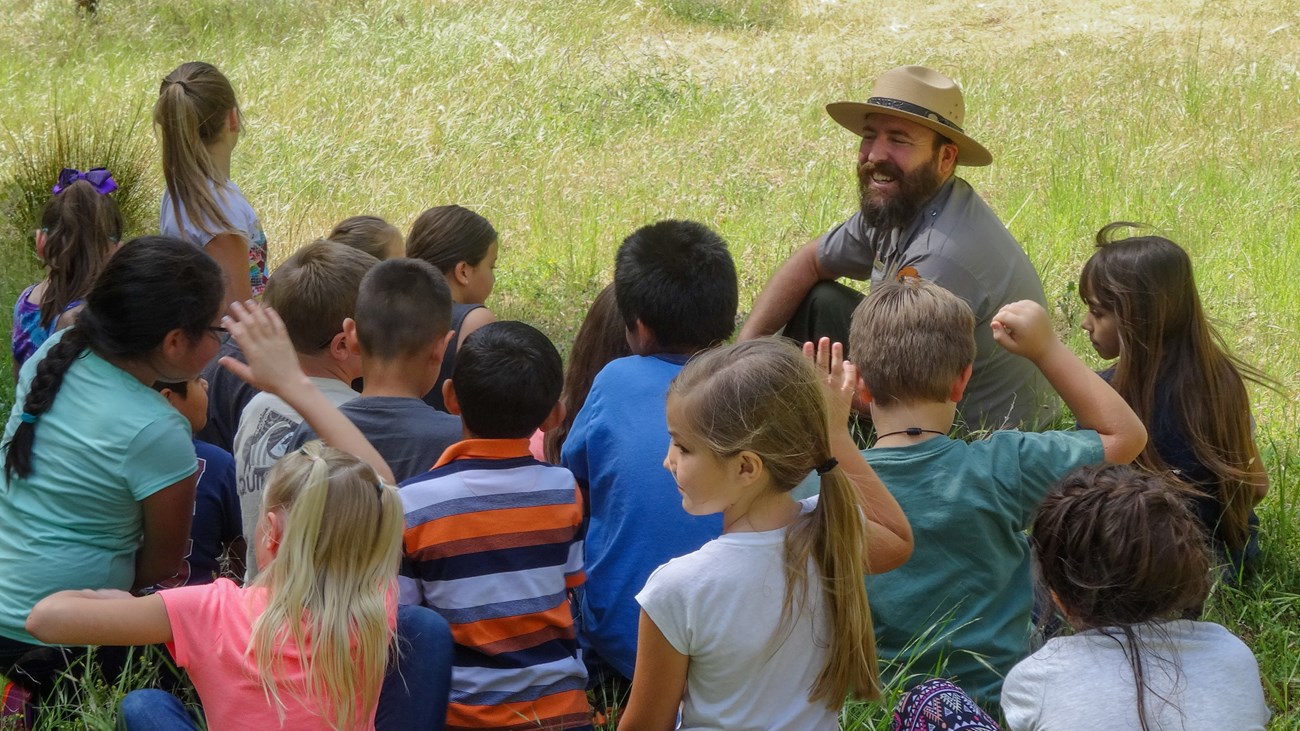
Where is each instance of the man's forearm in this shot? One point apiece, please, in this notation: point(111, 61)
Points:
point(776, 304)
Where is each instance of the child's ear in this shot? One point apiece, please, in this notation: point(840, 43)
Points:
point(175, 344)
point(750, 466)
point(232, 121)
point(339, 348)
point(555, 418)
point(862, 393)
point(440, 347)
point(274, 532)
point(173, 398)
point(350, 335)
point(40, 244)
point(641, 339)
point(959, 385)
point(460, 273)
point(449, 398)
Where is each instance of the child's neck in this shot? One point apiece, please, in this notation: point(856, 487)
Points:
point(397, 378)
point(922, 418)
point(323, 366)
point(458, 294)
point(219, 153)
point(769, 511)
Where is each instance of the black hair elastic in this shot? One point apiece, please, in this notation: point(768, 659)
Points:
point(827, 466)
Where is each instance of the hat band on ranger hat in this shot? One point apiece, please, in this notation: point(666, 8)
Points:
point(917, 109)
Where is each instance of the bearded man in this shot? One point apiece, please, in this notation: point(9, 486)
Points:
point(917, 219)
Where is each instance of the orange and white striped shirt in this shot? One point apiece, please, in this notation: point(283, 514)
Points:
point(493, 544)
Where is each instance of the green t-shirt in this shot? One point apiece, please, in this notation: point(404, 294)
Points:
point(107, 442)
point(966, 594)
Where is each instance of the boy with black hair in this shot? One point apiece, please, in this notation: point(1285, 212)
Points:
point(675, 283)
point(964, 598)
point(313, 292)
point(216, 540)
point(493, 540)
point(401, 330)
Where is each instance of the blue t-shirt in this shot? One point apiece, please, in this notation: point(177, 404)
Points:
point(107, 442)
point(616, 451)
point(217, 520)
point(966, 593)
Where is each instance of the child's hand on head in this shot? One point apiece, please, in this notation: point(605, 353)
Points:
point(272, 361)
point(841, 380)
point(1024, 329)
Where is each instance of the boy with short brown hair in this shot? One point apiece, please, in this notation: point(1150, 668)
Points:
point(965, 598)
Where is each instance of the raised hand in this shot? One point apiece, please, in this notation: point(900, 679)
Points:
point(1023, 328)
point(840, 377)
point(272, 361)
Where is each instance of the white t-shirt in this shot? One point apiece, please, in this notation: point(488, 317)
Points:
point(721, 605)
point(1084, 683)
point(265, 434)
point(243, 221)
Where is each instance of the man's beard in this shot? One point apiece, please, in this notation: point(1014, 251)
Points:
point(900, 209)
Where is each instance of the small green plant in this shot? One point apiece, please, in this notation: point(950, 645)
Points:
point(84, 697)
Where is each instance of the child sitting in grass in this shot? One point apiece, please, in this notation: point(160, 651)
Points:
point(766, 626)
point(401, 331)
point(493, 541)
point(676, 286)
point(463, 246)
point(1143, 308)
point(313, 292)
point(217, 544)
point(80, 228)
point(1123, 558)
point(967, 583)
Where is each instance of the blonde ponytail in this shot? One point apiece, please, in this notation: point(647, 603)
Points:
point(193, 103)
point(331, 583)
point(763, 396)
point(834, 535)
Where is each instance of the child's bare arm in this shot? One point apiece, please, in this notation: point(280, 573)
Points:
point(273, 367)
point(100, 617)
point(660, 681)
point(888, 542)
point(1023, 328)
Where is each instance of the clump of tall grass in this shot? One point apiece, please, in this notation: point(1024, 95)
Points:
point(80, 139)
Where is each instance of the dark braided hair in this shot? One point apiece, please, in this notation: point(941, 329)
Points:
point(1121, 548)
point(154, 285)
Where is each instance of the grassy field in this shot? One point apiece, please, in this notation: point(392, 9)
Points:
point(571, 124)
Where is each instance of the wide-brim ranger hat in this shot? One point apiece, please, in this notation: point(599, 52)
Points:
point(921, 95)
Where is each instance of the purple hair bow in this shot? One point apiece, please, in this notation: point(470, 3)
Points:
point(99, 178)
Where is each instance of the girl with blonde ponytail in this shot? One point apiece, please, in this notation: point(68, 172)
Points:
point(768, 625)
point(198, 123)
point(309, 645)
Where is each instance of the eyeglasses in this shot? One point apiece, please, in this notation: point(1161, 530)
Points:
point(223, 335)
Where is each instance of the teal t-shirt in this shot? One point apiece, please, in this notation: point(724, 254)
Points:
point(107, 442)
point(965, 595)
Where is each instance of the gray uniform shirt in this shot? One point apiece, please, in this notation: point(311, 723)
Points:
point(409, 434)
point(958, 243)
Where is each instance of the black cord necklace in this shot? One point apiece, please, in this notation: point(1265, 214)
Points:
point(911, 431)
